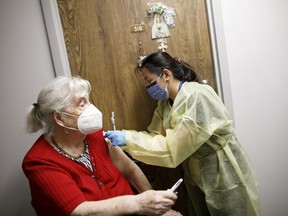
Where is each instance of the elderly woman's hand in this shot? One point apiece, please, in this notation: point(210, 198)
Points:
point(153, 202)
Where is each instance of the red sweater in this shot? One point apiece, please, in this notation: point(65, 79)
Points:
point(58, 185)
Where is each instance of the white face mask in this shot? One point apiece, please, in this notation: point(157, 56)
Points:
point(89, 121)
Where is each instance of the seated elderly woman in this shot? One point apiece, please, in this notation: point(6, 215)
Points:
point(71, 169)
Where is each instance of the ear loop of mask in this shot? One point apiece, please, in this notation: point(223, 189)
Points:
point(71, 128)
point(166, 83)
point(166, 87)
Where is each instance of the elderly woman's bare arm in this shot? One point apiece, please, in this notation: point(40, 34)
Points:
point(128, 168)
point(147, 203)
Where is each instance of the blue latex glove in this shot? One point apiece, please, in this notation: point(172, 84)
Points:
point(117, 137)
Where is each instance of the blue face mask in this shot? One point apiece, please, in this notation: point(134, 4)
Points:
point(156, 92)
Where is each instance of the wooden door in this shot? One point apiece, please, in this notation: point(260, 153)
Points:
point(102, 49)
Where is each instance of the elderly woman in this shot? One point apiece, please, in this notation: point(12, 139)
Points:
point(71, 169)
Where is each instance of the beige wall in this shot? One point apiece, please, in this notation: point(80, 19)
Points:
point(25, 66)
point(256, 33)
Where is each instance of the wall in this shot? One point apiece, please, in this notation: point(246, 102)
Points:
point(256, 33)
point(256, 39)
point(25, 66)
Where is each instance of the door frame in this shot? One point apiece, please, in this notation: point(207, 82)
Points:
point(218, 46)
point(56, 37)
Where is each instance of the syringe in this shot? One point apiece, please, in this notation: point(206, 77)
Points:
point(113, 121)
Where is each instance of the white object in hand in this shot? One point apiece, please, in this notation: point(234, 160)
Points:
point(176, 185)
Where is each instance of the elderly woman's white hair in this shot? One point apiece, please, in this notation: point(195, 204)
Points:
point(55, 96)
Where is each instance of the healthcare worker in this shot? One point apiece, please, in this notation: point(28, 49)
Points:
point(191, 127)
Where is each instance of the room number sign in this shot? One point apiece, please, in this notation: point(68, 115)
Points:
point(138, 28)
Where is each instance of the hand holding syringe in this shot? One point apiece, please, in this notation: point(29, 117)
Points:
point(117, 137)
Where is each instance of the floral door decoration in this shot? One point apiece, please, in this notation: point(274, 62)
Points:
point(163, 17)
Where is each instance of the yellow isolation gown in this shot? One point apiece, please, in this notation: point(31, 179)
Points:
point(196, 133)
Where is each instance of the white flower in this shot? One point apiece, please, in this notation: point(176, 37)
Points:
point(167, 12)
point(157, 8)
